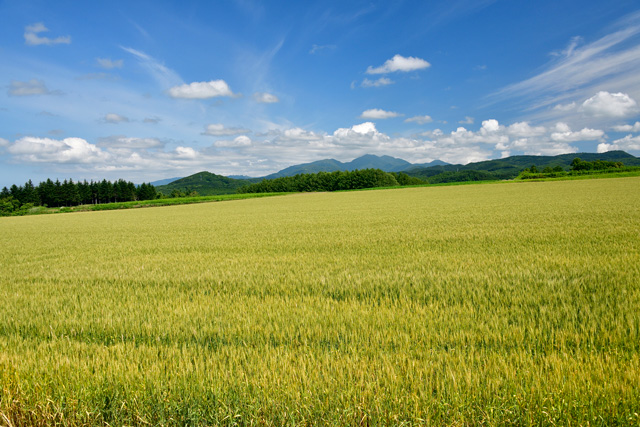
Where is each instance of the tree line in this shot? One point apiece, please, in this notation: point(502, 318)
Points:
point(69, 193)
point(578, 166)
point(331, 181)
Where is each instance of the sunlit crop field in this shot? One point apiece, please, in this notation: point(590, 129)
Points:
point(496, 304)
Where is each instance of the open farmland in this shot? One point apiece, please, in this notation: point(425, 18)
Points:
point(500, 303)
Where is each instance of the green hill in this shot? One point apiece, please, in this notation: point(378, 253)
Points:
point(510, 167)
point(206, 184)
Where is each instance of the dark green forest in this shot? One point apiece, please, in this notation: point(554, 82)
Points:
point(17, 200)
point(331, 181)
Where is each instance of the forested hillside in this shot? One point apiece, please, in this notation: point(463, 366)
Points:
point(204, 184)
point(510, 167)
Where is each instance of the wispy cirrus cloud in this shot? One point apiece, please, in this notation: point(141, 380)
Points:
point(164, 76)
point(576, 73)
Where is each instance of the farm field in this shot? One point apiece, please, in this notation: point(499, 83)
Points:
point(511, 303)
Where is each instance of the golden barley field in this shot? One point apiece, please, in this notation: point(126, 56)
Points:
point(497, 304)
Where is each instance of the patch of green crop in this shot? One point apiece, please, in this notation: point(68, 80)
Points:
point(456, 305)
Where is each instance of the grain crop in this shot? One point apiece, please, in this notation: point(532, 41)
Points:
point(495, 304)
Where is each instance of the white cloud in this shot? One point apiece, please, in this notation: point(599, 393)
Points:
point(186, 153)
point(565, 107)
point(109, 64)
point(240, 141)
point(467, 121)
point(582, 70)
point(218, 129)
point(628, 143)
point(490, 125)
point(31, 36)
point(421, 120)
point(610, 105)
point(201, 90)
point(585, 134)
point(265, 98)
point(399, 63)
point(382, 81)
point(131, 143)
point(299, 134)
point(628, 128)
point(68, 150)
point(114, 118)
point(3, 142)
point(524, 130)
point(30, 88)
point(376, 113)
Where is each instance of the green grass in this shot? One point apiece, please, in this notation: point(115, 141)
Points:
point(448, 305)
point(37, 210)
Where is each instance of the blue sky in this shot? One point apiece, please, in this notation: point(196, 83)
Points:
point(149, 90)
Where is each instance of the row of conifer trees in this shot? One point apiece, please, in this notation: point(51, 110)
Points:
point(70, 193)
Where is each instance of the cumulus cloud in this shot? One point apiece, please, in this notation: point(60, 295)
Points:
point(109, 64)
point(525, 130)
point(376, 113)
point(490, 125)
point(565, 107)
point(114, 118)
point(218, 129)
point(201, 90)
point(382, 81)
point(628, 128)
point(585, 134)
point(3, 142)
point(239, 141)
point(265, 98)
point(628, 143)
point(46, 150)
point(186, 153)
point(299, 134)
point(32, 38)
point(610, 105)
point(419, 119)
point(399, 63)
point(29, 88)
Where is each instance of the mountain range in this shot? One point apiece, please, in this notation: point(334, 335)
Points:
point(368, 161)
point(207, 183)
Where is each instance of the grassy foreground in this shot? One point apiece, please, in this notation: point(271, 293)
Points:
point(493, 304)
